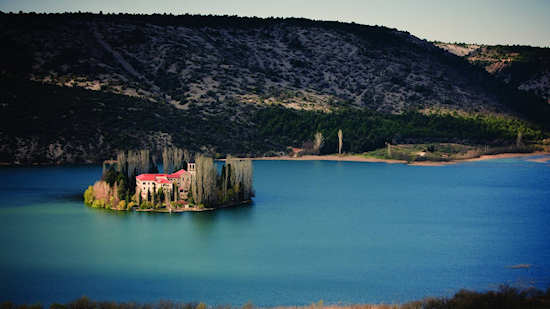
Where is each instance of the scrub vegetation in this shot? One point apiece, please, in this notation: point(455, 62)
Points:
point(505, 297)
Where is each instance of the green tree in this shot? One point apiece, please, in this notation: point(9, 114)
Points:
point(160, 195)
point(110, 176)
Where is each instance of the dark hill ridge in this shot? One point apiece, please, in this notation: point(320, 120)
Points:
point(212, 60)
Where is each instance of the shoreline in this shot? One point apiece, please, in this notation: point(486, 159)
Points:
point(343, 158)
point(193, 209)
point(360, 158)
point(346, 158)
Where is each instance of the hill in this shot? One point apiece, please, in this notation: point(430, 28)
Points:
point(212, 60)
point(525, 68)
point(76, 87)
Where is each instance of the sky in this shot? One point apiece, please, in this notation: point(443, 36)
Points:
point(525, 22)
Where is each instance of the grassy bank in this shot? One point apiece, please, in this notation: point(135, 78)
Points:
point(504, 297)
point(445, 152)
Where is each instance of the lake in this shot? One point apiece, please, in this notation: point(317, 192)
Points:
point(345, 232)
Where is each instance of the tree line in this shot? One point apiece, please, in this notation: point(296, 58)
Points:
point(232, 185)
point(367, 130)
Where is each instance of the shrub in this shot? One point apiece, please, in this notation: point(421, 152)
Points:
point(98, 204)
point(122, 204)
point(201, 306)
point(89, 196)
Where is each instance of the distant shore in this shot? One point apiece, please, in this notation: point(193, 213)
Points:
point(362, 158)
point(344, 158)
point(486, 157)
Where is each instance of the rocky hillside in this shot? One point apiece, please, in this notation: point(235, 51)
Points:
point(76, 87)
point(50, 124)
point(522, 67)
point(213, 61)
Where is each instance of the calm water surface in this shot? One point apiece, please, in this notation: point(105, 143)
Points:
point(349, 232)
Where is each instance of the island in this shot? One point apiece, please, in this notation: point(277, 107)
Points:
point(189, 182)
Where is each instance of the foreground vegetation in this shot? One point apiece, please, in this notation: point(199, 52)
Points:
point(505, 297)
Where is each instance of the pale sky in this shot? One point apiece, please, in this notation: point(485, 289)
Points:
point(525, 22)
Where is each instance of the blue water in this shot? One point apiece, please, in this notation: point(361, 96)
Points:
point(340, 232)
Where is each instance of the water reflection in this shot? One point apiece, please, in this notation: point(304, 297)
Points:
point(204, 222)
point(241, 213)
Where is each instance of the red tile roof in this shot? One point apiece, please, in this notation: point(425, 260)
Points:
point(160, 178)
point(177, 174)
point(149, 177)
